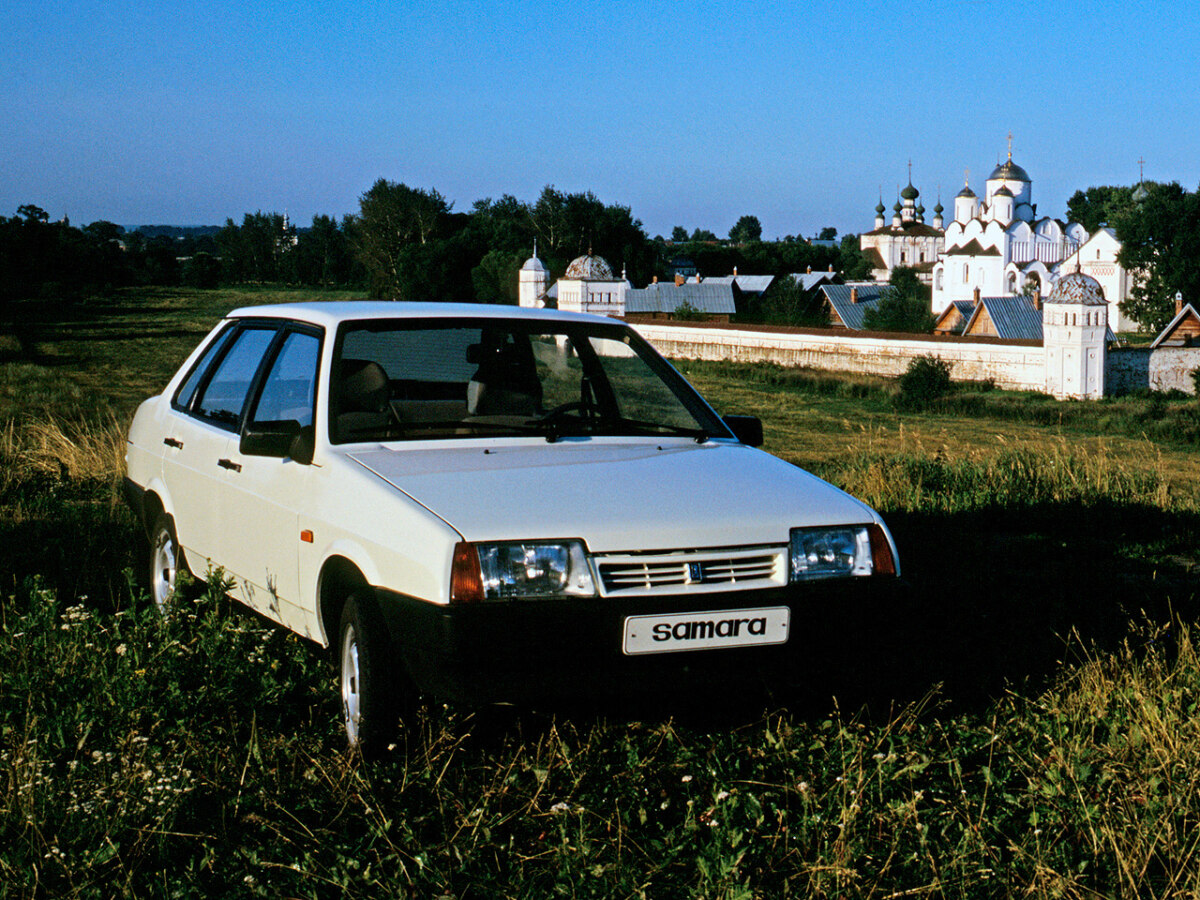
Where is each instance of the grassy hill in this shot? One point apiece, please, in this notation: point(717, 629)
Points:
point(1025, 726)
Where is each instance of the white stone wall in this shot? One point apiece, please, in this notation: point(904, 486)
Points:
point(1011, 367)
point(1165, 369)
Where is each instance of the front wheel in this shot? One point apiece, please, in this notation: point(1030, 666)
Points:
point(374, 689)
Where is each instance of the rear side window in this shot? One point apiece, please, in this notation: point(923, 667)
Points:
point(289, 390)
point(187, 390)
point(224, 394)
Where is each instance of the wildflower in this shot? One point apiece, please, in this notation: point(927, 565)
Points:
point(686, 778)
point(120, 650)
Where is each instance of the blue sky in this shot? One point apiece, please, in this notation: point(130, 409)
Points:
point(688, 113)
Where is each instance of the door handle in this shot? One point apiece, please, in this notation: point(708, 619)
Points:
point(171, 442)
point(229, 464)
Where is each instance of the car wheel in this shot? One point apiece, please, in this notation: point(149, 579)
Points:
point(166, 562)
point(374, 689)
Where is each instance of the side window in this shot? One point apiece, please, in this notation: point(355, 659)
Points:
point(225, 394)
point(289, 390)
point(187, 390)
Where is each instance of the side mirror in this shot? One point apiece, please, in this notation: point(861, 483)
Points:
point(277, 440)
point(303, 445)
point(747, 429)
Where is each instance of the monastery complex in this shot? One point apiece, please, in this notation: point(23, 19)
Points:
point(1023, 301)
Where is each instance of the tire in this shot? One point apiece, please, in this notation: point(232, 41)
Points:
point(165, 564)
point(374, 688)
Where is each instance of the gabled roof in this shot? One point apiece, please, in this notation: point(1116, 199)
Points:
point(1013, 318)
point(953, 319)
point(1186, 324)
point(810, 280)
point(851, 314)
point(972, 248)
point(747, 284)
point(665, 297)
point(910, 229)
point(754, 284)
point(874, 257)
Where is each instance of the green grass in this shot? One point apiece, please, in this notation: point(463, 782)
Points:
point(1024, 726)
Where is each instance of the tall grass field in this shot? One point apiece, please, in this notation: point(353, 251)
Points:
point(1026, 725)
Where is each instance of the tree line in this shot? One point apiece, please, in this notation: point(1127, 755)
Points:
point(404, 243)
point(409, 243)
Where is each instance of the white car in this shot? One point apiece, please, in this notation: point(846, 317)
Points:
point(486, 503)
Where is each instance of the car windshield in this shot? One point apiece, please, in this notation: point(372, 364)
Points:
point(460, 378)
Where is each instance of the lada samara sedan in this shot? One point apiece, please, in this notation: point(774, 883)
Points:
point(485, 503)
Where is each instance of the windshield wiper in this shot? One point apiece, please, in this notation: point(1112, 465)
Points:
point(699, 435)
point(474, 424)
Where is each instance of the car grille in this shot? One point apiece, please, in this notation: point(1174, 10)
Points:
point(695, 571)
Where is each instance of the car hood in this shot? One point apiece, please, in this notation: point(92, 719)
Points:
point(616, 496)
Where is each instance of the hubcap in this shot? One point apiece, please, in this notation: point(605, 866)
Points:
point(163, 575)
point(351, 685)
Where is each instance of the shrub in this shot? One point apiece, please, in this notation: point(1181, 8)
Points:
point(1196, 380)
point(926, 379)
point(685, 312)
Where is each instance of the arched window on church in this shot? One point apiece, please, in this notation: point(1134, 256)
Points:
point(966, 273)
point(1012, 282)
point(938, 279)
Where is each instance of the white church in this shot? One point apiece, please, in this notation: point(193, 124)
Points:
point(997, 246)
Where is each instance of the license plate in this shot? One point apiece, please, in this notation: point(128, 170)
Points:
point(710, 630)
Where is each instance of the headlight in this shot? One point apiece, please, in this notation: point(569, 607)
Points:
point(840, 552)
point(520, 570)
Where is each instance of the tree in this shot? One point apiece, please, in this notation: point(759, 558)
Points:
point(828, 233)
point(1098, 205)
point(504, 224)
point(1159, 237)
point(679, 234)
point(746, 229)
point(786, 302)
point(202, 271)
point(323, 254)
point(392, 217)
point(496, 278)
point(31, 213)
point(703, 234)
point(904, 307)
point(853, 265)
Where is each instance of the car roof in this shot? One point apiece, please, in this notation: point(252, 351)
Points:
point(329, 313)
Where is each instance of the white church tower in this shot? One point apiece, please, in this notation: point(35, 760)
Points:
point(533, 281)
point(1074, 328)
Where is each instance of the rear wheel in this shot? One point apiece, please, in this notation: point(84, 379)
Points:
point(166, 562)
point(374, 688)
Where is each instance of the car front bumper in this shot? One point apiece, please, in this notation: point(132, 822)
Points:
point(575, 649)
